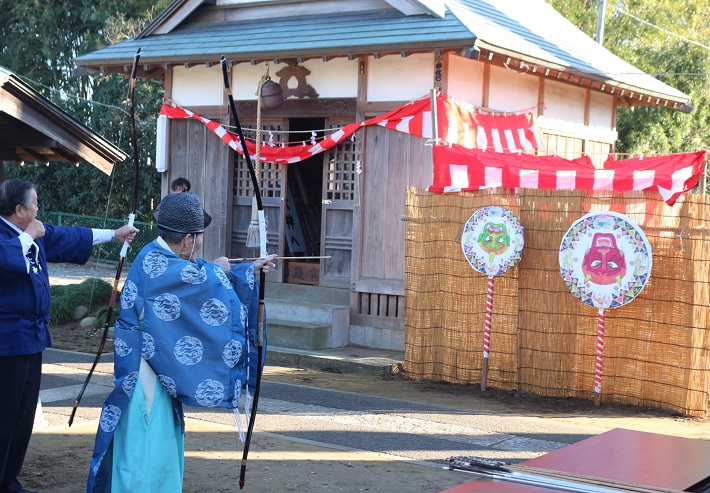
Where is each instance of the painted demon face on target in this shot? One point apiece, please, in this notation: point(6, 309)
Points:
point(494, 239)
point(604, 263)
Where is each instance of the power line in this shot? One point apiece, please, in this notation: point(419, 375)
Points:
point(64, 94)
point(622, 11)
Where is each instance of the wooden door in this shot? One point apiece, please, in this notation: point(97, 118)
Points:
point(273, 186)
point(339, 196)
point(207, 175)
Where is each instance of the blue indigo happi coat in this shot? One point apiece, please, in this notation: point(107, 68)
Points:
point(26, 299)
point(195, 325)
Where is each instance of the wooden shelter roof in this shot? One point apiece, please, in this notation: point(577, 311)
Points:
point(526, 36)
point(33, 128)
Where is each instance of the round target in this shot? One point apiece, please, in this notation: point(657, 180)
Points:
point(492, 240)
point(605, 259)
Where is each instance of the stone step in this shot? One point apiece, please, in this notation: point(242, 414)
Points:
point(312, 294)
point(305, 325)
point(305, 311)
point(298, 335)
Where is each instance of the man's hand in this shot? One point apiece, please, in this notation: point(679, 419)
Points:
point(125, 233)
point(35, 229)
point(224, 263)
point(265, 263)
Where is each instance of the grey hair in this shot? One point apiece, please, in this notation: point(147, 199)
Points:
point(14, 192)
point(172, 237)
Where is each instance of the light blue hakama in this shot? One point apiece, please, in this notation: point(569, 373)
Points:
point(148, 445)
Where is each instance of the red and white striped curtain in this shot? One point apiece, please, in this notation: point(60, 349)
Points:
point(459, 169)
point(462, 124)
point(487, 151)
point(458, 123)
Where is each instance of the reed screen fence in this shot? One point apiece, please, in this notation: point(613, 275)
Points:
point(543, 339)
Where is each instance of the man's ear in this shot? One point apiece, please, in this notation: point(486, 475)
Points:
point(183, 244)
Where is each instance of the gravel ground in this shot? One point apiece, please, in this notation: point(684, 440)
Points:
point(72, 273)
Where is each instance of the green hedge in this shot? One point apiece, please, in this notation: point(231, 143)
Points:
point(91, 293)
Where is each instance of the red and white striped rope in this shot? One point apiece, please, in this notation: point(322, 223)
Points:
point(600, 352)
point(489, 313)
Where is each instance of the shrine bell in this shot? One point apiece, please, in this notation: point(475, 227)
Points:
point(271, 95)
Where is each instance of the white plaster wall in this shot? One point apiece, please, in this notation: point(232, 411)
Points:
point(465, 80)
point(198, 85)
point(246, 78)
point(601, 110)
point(336, 78)
point(560, 127)
point(512, 91)
point(393, 78)
point(563, 102)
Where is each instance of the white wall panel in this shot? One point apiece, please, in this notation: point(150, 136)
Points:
point(564, 102)
point(511, 90)
point(198, 85)
point(465, 80)
point(393, 78)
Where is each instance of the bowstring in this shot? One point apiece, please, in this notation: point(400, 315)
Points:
point(93, 332)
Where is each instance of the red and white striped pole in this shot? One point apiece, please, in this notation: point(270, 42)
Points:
point(487, 333)
point(600, 353)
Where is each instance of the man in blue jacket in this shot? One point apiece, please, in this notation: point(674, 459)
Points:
point(26, 245)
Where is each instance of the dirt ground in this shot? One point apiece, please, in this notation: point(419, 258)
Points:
point(58, 458)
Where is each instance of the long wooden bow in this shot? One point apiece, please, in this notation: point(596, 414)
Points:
point(124, 249)
point(262, 275)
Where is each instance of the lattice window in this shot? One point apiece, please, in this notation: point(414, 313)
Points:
point(340, 175)
point(573, 147)
point(598, 152)
point(561, 145)
point(270, 175)
point(380, 305)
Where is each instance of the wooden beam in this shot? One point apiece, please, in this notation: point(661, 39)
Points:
point(9, 155)
point(378, 107)
point(29, 138)
point(36, 156)
point(69, 157)
point(58, 129)
point(304, 108)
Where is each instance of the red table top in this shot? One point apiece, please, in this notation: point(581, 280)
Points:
point(638, 457)
point(485, 485)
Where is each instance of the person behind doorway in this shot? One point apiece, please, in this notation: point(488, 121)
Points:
point(179, 185)
point(181, 338)
point(26, 245)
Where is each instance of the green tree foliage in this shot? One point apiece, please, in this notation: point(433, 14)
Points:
point(40, 41)
point(661, 51)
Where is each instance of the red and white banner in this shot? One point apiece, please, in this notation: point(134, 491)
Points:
point(487, 151)
point(461, 124)
point(459, 169)
point(458, 123)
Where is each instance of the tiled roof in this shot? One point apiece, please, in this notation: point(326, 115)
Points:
point(322, 35)
point(35, 129)
point(529, 29)
point(537, 30)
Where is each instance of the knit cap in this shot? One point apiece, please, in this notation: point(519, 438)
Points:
point(182, 213)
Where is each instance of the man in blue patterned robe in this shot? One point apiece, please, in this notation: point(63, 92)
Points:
point(185, 335)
